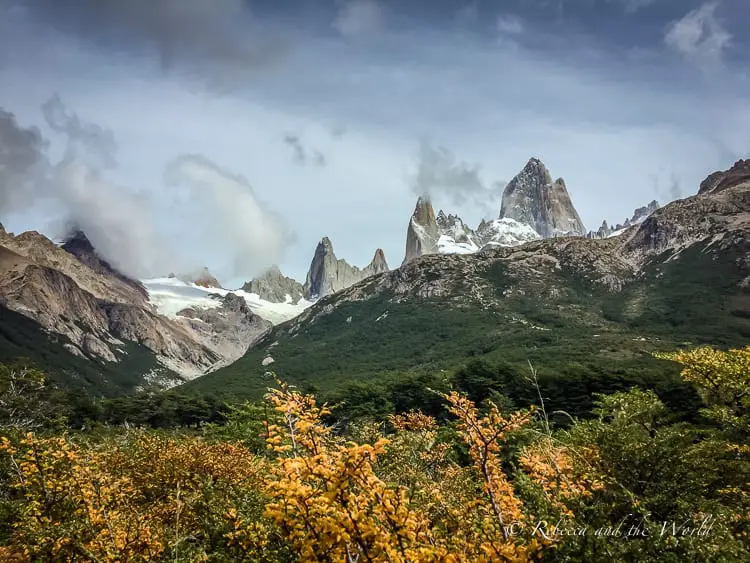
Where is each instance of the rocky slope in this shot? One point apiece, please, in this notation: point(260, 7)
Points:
point(681, 275)
point(101, 314)
point(329, 274)
point(737, 175)
point(533, 198)
point(275, 287)
point(228, 329)
point(78, 244)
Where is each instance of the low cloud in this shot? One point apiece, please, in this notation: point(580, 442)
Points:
point(232, 216)
point(338, 132)
point(667, 187)
point(441, 174)
point(85, 140)
point(301, 154)
point(117, 220)
point(230, 228)
point(357, 18)
point(699, 36)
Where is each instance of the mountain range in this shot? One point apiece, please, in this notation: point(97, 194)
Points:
point(64, 306)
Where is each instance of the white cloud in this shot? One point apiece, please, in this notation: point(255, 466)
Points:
point(231, 215)
point(359, 17)
point(699, 36)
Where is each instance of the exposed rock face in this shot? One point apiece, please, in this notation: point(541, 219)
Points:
point(603, 232)
point(78, 244)
point(719, 181)
point(423, 233)
point(639, 215)
point(70, 291)
point(448, 234)
point(229, 329)
point(533, 207)
point(275, 287)
point(96, 328)
point(532, 198)
point(329, 274)
point(103, 285)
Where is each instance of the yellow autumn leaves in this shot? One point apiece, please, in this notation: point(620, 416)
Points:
point(315, 496)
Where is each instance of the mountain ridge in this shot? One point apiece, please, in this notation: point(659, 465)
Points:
point(682, 274)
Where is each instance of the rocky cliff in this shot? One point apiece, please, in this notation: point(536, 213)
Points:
point(275, 287)
point(422, 234)
point(534, 199)
point(718, 181)
point(329, 274)
point(78, 244)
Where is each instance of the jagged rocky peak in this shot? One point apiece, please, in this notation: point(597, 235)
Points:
point(639, 216)
point(423, 233)
point(532, 198)
point(275, 287)
point(79, 245)
point(642, 212)
point(379, 263)
point(453, 225)
point(329, 274)
point(720, 181)
point(78, 242)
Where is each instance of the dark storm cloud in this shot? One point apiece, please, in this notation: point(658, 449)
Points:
point(216, 40)
point(22, 153)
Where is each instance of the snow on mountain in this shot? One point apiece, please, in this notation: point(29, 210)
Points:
point(505, 232)
point(170, 296)
point(448, 245)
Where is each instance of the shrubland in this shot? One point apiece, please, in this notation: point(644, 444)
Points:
point(463, 466)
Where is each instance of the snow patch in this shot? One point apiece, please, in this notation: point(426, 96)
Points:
point(448, 245)
point(170, 296)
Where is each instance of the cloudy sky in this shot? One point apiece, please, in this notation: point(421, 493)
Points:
point(236, 134)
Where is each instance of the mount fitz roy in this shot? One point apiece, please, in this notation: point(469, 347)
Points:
point(533, 207)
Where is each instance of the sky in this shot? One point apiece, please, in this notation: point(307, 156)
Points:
point(235, 134)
